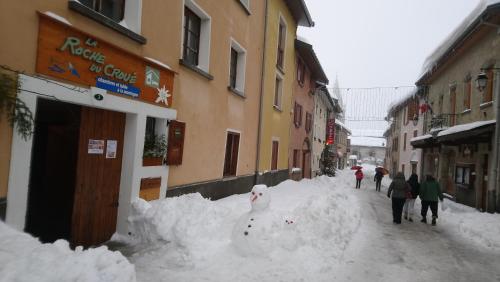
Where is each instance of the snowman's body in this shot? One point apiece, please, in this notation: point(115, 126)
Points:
point(256, 231)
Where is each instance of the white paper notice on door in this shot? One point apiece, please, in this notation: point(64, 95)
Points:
point(111, 149)
point(96, 147)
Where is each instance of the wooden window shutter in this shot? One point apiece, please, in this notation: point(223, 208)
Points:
point(274, 158)
point(175, 145)
point(488, 94)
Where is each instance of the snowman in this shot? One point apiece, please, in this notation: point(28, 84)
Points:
point(256, 232)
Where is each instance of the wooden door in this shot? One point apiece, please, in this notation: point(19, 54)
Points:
point(306, 169)
point(98, 177)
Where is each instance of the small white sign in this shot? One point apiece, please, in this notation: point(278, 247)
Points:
point(111, 146)
point(96, 147)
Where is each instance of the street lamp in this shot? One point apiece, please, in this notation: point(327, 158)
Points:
point(481, 81)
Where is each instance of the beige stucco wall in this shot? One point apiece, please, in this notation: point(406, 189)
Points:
point(208, 107)
point(319, 130)
point(276, 123)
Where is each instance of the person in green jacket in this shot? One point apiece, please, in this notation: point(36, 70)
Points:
point(429, 193)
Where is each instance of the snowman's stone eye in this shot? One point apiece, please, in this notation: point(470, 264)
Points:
point(260, 194)
point(253, 193)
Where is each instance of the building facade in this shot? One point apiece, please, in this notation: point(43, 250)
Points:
point(323, 112)
point(282, 19)
point(92, 79)
point(309, 72)
point(406, 113)
point(342, 143)
point(458, 142)
point(219, 94)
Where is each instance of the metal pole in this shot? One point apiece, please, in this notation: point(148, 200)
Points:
point(494, 192)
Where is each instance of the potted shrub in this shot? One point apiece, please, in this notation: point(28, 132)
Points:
point(155, 147)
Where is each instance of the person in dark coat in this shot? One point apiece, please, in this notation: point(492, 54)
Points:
point(429, 193)
point(359, 177)
point(378, 179)
point(398, 189)
point(412, 195)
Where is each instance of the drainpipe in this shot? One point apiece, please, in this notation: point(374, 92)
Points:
point(494, 191)
point(261, 106)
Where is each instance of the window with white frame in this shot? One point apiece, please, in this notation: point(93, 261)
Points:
point(278, 91)
point(280, 63)
point(237, 63)
point(196, 36)
point(113, 9)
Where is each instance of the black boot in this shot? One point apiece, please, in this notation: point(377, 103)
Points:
point(433, 221)
point(424, 220)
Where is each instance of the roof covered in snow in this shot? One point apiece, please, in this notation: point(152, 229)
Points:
point(367, 141)
point(449, 44)
point(339, 123)
point(465, 127)
point(306, 51)
point(401, 101)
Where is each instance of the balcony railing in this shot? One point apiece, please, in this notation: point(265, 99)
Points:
point(441, 121)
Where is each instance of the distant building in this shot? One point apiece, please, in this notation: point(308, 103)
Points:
point(368, 149)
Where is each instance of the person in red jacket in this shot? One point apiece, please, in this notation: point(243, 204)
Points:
point(359, 176)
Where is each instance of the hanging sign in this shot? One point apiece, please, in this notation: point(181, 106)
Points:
point(67, 53)
point(330, 131)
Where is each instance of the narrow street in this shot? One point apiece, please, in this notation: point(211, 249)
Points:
point(381, 251)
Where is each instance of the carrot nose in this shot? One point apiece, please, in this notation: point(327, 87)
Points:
point(253, 198)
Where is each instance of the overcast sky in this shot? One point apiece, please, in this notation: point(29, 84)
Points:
point(370, 43)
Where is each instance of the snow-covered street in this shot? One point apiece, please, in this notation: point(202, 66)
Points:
point(382, 251)
point(314, 230)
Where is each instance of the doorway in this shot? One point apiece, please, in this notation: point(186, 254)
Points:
point(53, 170)
point(75, 173)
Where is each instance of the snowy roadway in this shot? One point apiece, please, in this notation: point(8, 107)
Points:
point(382, 251)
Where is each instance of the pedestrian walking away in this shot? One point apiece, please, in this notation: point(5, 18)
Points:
point(411, 196)
point(429, 193)
point(359, 177)
point(378, 179)
point(398, 190)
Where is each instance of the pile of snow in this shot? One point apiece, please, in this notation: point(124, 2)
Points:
point(482, 228)
point(24, 258)
point(465, 127)
point(423, 137)
point(189, 238)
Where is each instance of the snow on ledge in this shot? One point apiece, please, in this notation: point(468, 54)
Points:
point(296, 169)
point(465, 127)
point(423, 137)
point(159, 63)
point(57, 17)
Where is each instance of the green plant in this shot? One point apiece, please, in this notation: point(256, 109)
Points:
point(16, 110)
point(155, 146)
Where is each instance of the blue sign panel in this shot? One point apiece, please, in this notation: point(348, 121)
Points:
point(117, 87)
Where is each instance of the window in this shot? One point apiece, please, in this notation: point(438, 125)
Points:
point(412, 111)
point(196, 39)
point(308, 126)
point(231, 159)
point(281, 44)
point(301, 72)
point(237, 67)
point(467, 94)
point(296, 158)
point(415, 133)
point(232, 68)
point(462, 175)
point(150, 127)
point(278, 89)
point(414, 168)
point(274, 156)
point(403, 168)
point(488, 92)
point(404, 142)
point(453, 102)
point(297, 115)
point(192, 26)
point(113, 9)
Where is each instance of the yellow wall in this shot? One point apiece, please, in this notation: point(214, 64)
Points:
point(277, 123)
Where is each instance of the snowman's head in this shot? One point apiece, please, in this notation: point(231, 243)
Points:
point(260, 198)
